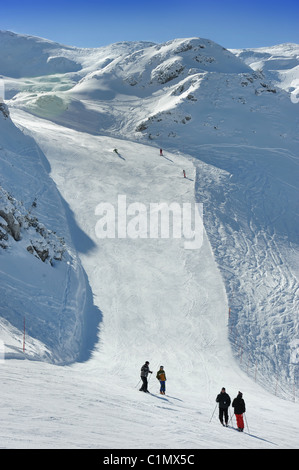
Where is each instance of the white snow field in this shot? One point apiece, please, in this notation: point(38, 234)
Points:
point(95, 309)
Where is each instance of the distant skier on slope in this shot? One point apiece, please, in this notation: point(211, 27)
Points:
point(161, 152)
point(239, 408)
point(224, 401)
point(143, 374)
point(161, 376)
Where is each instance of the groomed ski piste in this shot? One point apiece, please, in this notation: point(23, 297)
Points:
point(208, 315)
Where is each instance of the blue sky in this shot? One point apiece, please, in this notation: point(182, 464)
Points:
point(91, 23)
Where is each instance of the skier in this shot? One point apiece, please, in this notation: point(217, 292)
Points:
point(161, 376)
point(144, 373)
point(239, 408)
point(161, 152)
point(224, 401)
point(184, 173)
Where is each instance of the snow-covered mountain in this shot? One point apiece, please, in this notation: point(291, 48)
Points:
point(194, 82)
point(225, 313)
point(278, 63)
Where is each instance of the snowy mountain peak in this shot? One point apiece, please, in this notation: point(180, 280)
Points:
point(157, 65)
point(175, 81)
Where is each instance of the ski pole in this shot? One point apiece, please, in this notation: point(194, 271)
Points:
point(138, 383)
point(213, 413)
point(246, 422)
point(231, 417)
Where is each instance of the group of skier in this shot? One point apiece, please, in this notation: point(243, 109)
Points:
point(239, 408)
point(222, 398)
point(161, 154)
point(161, 376)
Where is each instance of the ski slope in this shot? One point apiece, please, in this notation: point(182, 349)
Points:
point(128, 300)
point(190, 324)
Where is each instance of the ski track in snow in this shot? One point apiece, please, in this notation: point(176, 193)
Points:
point(107, 414)
point(258, 243)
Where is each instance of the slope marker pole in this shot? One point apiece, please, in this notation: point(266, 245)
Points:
point(24, 337)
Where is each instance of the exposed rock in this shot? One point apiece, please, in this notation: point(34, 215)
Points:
point(18, 223)
point(4, 110)
point(13, 226)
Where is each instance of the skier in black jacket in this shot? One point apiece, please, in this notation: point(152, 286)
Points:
point(224, 401)
point(239, 408)
point(143, 374)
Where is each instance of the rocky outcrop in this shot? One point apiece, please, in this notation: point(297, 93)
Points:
point(17, 223)
point(4, 109)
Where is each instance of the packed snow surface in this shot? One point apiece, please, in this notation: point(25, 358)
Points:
point(84, 127)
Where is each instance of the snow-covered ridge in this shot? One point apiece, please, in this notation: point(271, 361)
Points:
point(151, 91)
point(280, 64)
point(157, 65)
point(17, 222)
point(42, 279)
point(30, 56)
point(27, 56)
